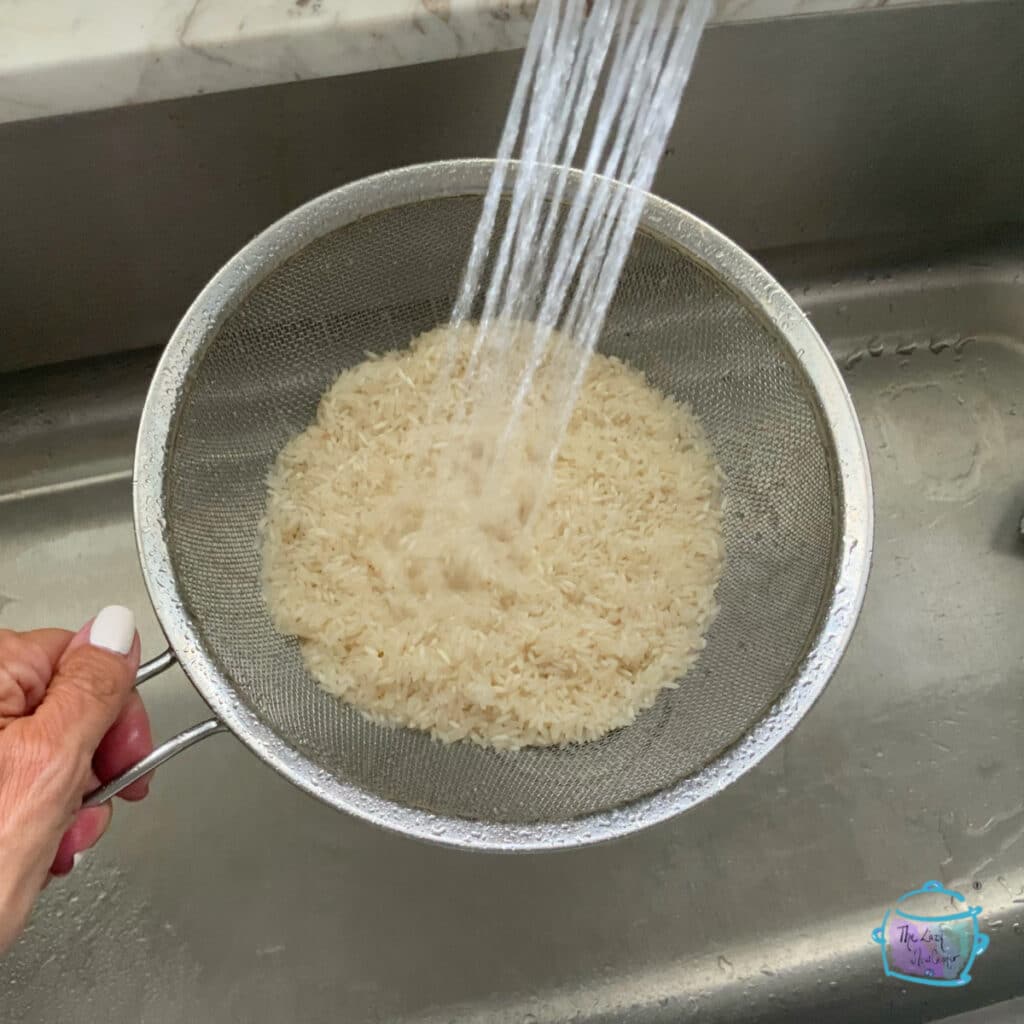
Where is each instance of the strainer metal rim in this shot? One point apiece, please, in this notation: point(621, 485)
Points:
point(451, 178)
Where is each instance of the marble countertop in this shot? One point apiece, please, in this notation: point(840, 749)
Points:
point(65, 56)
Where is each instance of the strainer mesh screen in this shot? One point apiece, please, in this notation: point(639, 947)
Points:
point(374, 285)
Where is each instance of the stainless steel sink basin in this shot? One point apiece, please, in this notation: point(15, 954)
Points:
point(230, 896)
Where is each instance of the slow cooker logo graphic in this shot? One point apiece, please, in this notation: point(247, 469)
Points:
point(930, 937)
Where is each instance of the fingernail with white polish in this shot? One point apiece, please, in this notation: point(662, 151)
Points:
point(114, 629)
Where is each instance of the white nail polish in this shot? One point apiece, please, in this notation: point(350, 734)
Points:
point(114, 629)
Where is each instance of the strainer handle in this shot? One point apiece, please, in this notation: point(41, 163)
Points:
point(165, 751)
point(153, 667)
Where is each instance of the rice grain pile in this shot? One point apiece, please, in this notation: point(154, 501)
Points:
point(429, 590)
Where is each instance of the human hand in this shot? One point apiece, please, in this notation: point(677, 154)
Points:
point(70, 721)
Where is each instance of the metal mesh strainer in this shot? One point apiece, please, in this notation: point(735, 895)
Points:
point(370, 266)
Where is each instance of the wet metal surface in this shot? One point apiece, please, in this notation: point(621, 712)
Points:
point(249, 901)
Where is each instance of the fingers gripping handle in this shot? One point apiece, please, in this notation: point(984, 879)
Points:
point(165, 751)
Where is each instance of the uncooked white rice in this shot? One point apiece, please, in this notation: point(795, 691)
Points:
point(429, 593)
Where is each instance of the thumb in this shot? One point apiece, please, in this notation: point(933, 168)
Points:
point(93, 679)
